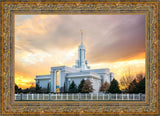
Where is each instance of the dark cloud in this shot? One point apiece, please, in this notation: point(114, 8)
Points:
point(123, 41)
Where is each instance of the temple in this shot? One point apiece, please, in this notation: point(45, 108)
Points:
point(63, 76)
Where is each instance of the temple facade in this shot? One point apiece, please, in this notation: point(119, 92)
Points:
point(63, 76)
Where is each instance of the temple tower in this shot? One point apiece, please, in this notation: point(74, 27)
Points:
point(81, 63)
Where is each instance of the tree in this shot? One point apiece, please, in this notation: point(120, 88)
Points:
point(114, 87)
point(140, 88)
point(25, 90)
point(81, 86)
point(87, 87)
point(104, 87)
point(63, 89)
point(132, 87)
point(139, 77)
point(137, 85)
point(48, 88)
point(126, 79)
point(17, 89)
point(38, 88)
point(32, 88)
point(72, 87)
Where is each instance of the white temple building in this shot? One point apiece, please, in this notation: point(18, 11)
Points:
point(63, 74)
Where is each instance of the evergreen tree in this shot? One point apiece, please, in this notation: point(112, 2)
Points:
point(72, 87)
point(37, 87)
point(114, 87)
point(87, 87)
point(132, 87)
point(20, 90)
point(140, 88)
point(81, 86)
point(64, 88)
point(48, 88)
point(135, 87)
point(16, 88)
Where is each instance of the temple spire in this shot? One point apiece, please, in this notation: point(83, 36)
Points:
point(81, 37)
point(81, 63)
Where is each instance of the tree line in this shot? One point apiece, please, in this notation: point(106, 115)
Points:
point(137, 85)
point(85, 86)
point(133, 84)
point(32, 89)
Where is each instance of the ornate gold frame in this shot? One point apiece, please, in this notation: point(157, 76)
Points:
point(10, 9)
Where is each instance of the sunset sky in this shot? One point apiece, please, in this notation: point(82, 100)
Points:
point(112, 41)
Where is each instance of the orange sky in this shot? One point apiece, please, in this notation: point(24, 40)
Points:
point(112, 41)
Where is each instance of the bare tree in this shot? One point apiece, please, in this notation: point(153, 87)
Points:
point(104, 87)
point(126, 79)
point(87, 87)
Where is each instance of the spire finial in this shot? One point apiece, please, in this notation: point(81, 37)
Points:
point(81, 36)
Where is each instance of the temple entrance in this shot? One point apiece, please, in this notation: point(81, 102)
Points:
point(57, 81)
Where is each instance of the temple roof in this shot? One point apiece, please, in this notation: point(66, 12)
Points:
point(43, 77)
point(83, 74)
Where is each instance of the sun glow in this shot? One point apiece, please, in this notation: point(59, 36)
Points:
point(23, 81)
point(119, 68)
point(122, 67)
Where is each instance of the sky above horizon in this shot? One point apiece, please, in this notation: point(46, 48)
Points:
point(112, 41)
